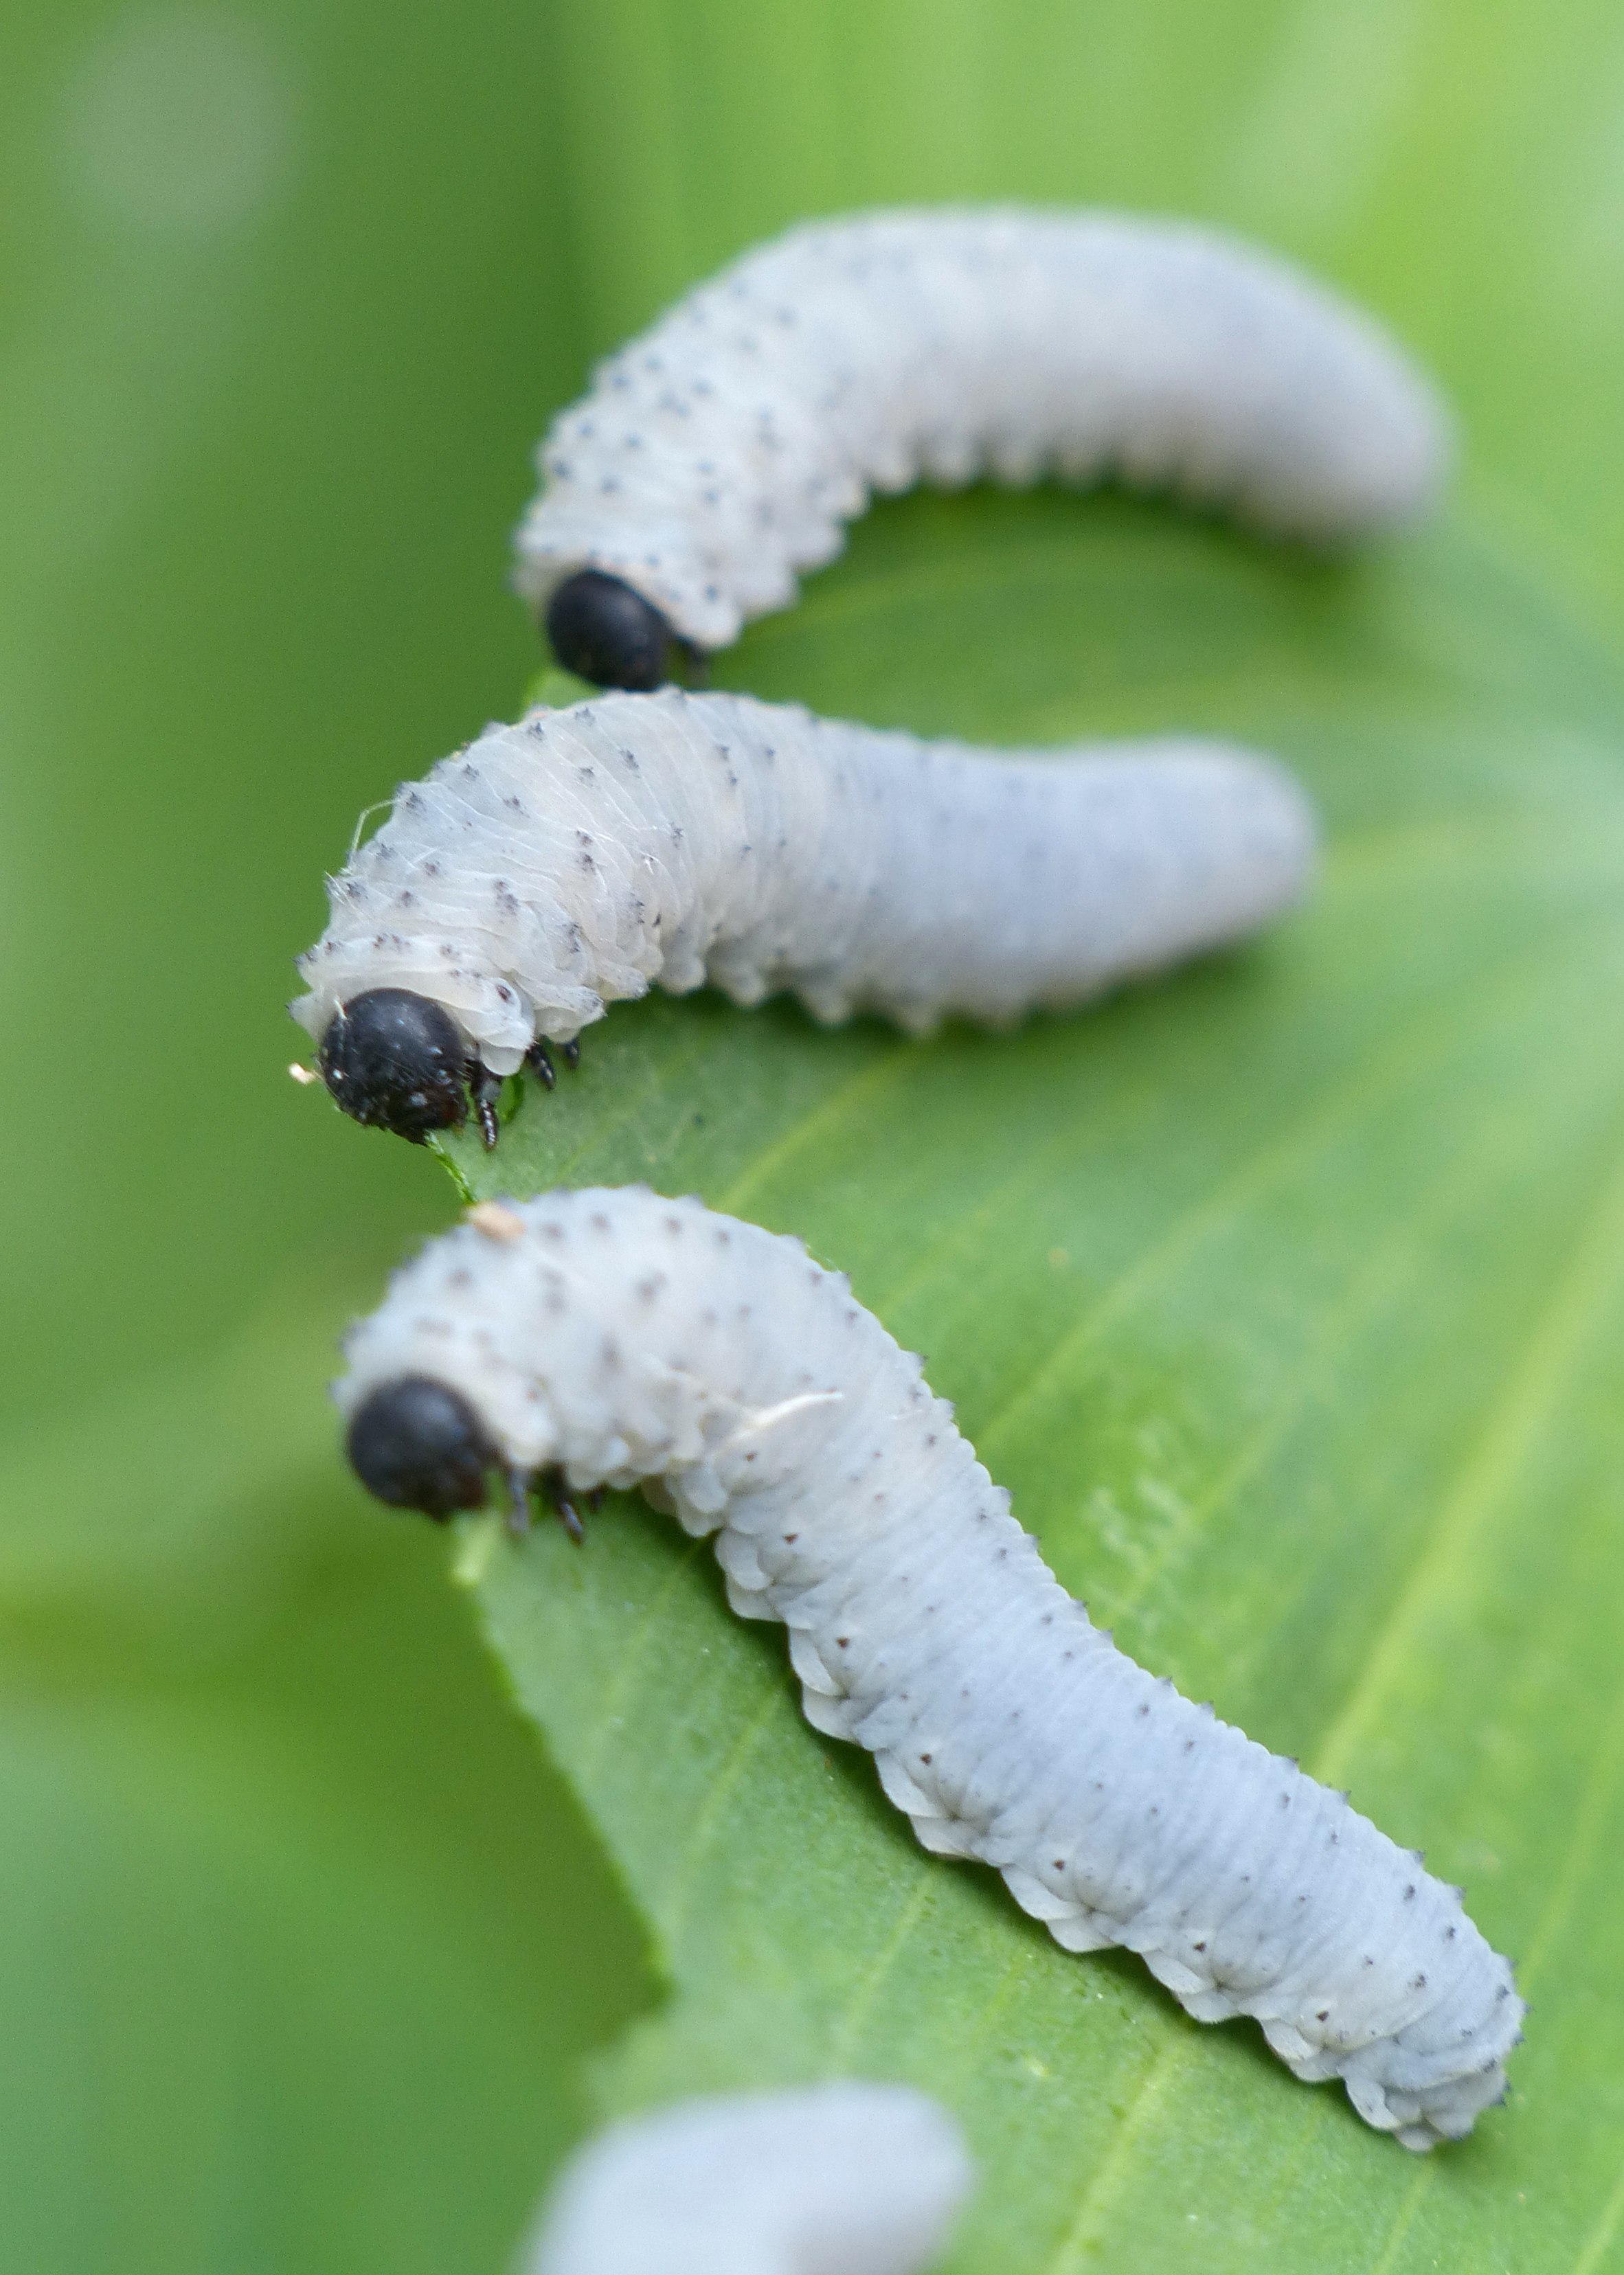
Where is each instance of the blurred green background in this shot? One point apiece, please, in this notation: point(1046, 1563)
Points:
point(299, 1938)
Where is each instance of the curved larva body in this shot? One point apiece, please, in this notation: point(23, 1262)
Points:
point(834, 2180)
point(632, 1339)
point(724, 449)
point(582, 856)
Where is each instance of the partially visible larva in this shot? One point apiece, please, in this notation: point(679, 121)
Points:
point(618, 1338)
point(579, 857)
point(832, 2179)
point(725, 449)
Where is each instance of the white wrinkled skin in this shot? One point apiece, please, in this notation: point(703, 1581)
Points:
point(726, 448)
point(636, 1340)
point(582, 856)
point(834, 2179)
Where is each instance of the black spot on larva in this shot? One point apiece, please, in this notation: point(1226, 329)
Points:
point(394, 1060)
point(416, 1443)
point(604, 631)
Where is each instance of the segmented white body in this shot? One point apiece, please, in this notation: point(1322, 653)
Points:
point(834, 2179)
point(633, 1339)
point(584, 855)
point(725, 449)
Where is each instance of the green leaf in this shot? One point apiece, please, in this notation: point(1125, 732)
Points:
point(1287, 1297)
point(258, 481)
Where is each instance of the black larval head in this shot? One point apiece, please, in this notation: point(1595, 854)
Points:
point(394, 1059)
point(417, 1443)
point(604, 631)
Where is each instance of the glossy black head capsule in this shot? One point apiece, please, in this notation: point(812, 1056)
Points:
point(604, 631)
point(394, 1059)
point(416, 1443)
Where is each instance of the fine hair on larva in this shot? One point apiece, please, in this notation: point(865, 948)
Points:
point(616, 1338)
point(841, 2179)
point(723, 450)
point(582, 856)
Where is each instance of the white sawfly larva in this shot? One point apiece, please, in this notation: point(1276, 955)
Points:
point(724, 449)
point(613, 1337)
point(844, 2179)
point(584, 855)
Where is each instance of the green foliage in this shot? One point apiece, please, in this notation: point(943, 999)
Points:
point(299, 1938)
point(1284, 1295)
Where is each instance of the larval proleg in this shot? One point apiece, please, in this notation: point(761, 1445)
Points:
point(584, 856)
point(723, 450)
point(613, 1337)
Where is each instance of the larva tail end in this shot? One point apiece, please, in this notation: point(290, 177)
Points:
point(602, 630)
point(416, 1443)
point(394, 1059)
